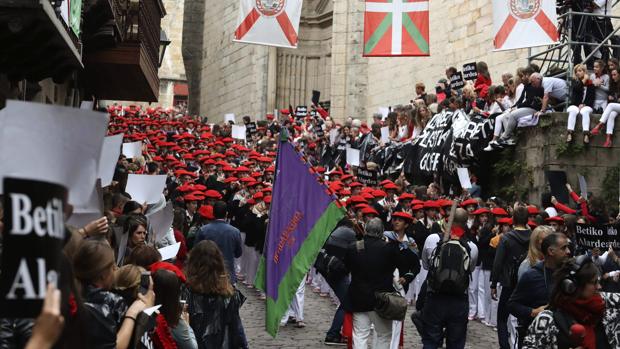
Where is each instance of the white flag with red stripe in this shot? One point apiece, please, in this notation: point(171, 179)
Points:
point(269, 22)
point(524, 23)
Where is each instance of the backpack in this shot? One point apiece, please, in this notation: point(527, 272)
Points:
point(331, 267)
point(450, 269)
point(514, 264)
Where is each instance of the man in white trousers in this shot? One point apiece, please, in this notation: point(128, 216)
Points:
point(295, 312)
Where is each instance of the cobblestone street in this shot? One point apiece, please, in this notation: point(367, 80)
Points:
point(318, 313)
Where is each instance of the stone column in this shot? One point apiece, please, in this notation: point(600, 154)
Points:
point(349, 78)
point(272, 79)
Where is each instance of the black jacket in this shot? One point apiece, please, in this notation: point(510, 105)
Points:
point(533, 290)
point(531, 97)
point(512, 244)
point(486, 254)
point(579, 95)
point(372, 270)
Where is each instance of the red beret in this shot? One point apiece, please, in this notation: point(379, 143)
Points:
point(403, 215)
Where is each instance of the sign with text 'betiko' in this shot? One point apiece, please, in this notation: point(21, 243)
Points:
point(33, 238)
point(598, 235)
point(469, 71)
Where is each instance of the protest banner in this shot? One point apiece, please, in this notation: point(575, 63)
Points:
point(33, 238)
point(238, 132)
point(145, 188)
point(469, 71)
point(597, 235)
point(456, 81)
point(132, 150)
point(367, 177)
point(63, 148)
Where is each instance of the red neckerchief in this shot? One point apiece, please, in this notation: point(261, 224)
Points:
point(587, 312)
point(162, 337)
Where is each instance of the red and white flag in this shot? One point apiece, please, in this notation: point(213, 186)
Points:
point(524, 23)
point(269, 22)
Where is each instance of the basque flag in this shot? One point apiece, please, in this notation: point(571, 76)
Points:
point(302, 216)
point(396, 28)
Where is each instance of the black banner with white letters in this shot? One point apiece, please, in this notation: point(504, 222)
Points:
point(33, 238)
point(470, 71)
point(598, 235)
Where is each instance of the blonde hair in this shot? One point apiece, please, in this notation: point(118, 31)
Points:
point(128, 277)
point(585, 71)
point(534, 254)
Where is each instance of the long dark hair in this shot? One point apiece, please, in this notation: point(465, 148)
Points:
point(167, 288)
point(206, 271)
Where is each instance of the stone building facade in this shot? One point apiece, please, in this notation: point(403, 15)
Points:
point(172, 70)
point(229, 77)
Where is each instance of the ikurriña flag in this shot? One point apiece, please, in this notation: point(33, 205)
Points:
point(396, 28)
point(303, 214)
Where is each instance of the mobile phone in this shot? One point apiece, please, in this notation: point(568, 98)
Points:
point(145, 281)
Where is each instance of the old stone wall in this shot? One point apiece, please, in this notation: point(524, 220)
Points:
point(233, 76)
point(543, 148)
point(192, 49)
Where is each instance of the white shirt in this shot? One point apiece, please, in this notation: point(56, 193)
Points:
point(555, 87)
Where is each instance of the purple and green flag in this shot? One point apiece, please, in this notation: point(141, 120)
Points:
point(303, 215)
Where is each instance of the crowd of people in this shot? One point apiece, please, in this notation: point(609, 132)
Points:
point(455, 258)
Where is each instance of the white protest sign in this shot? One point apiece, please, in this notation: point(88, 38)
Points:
point(132, 150)
point(150, 311)
point(229, 117)
point(169, 252)
point(52, 143)
point(583, 185)
point(333, 133)
point(92, 210)
point(161, 221)
point(384, 111)
point(464, 178)
point(353, 157)
point(110, 152)
point(238, 132)
point(145, 188)
point(385, 135)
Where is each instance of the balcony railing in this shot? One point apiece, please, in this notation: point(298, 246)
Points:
point(135, 57)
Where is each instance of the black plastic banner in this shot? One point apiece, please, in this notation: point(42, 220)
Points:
point(33, 238)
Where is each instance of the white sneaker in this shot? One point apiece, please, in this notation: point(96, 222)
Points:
point(492, 146)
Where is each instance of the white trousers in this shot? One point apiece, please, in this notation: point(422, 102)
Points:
point(418, 281)
point(252, 265)
point(585, 112)
point(296, 308)
point(512, 119)
point(491, 320)
point(499, 123)
point(472, 293)
point(609, 116)
point(484, 294)
point(362, 322)
point(240, 262)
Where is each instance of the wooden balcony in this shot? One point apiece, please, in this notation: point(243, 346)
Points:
point(122, 59)
point(36, 43)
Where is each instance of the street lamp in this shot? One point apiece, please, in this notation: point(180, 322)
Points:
point(163, 44)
